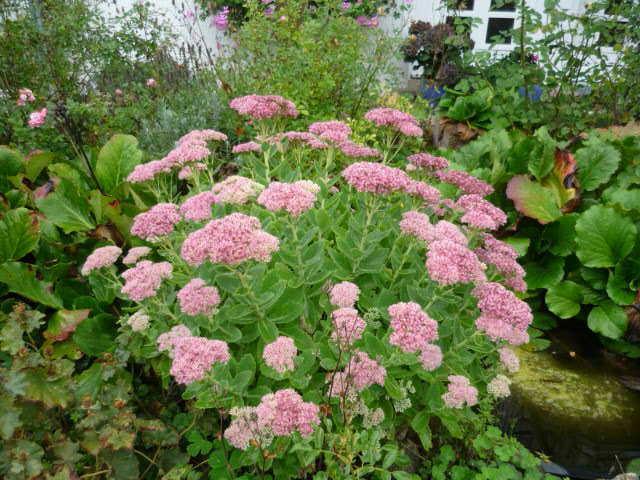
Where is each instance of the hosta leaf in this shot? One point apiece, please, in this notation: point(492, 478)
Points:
point(19, 233)
point(67, 209)
point(116, 160)
point(564, 299)
point(597, 161)
point(545, 272)
point(532, 199)
point(21, 279)
point(604, 237)
point(609, 320)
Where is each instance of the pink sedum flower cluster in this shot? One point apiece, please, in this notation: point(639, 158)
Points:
point(135, 254)
point(416, 224)
point(361, 372)
point(243, 429)
point(348, 326)
point(196, 298)
point(166, 341)
point(198, 207)
point(505, 260)
point(509, 359)
point(260, 107)
point(429, 194)
point(233, 239)
point(431, 357)
point(143, 280)
point(428, 161)
point(159, 220)
point(100, 258)
point(193, 357)
point(460, 392)
point(465, 182)
point(503, 315)
point(344, 294)
point(294, 198)
point(411, 328)
point(25, 95)
point(354, 150)
point(449, 262)
point(246, 147)
point(396, 120)
point(236, 189)
point(285, 412)
point(498, 387)
point(480, 213)
point(375, 178)
point(280, 354)
point(333, 131)
point(37, 118)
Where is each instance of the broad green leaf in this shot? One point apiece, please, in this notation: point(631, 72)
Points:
point(21, 279)
point(50, 392)
point(96, 335)
point(618, 288)
point(34, 164)
point(597, 161)
point(420, 425)
point(542, 158)
point(268, 330)
point(521, 245)
point(609, 320)
point(63, 323)
point(532, 199)
point(627, 199)
point(11, 161)
point(544, 272)
point(604, 237)
point(561, 235)
point(19, 233)
point(565, 298)
point(67, 209)
point(116, 160)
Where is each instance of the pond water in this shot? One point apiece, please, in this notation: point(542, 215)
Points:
point(570, 403)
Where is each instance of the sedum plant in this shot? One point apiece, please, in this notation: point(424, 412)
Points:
point(323, 313)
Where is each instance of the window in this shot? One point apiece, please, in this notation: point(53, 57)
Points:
point(499, 30)
point(503, 6)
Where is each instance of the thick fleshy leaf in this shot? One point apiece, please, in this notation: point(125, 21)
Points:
point(561, 235)
point(609, 320)
point(19, 233)
point(532, 199)
point(618, 288)
point(21, 279)
point(565, 298)
point(604, 237)
point(627, 199)
point(597, 161)
point(67, 209)
point(116, 160)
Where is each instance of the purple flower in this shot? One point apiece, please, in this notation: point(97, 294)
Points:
point(221, 19)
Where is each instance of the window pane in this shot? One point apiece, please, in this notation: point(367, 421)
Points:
point(499, 26)
point(460, 4)
point(503, 6)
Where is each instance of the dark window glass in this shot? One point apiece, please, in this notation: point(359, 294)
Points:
point(503, 6)
point(460, 4)
point(499, 27)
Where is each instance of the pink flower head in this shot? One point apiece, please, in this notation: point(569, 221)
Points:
point(196, 298)
point(416, 224)
point(459, 392)
point(291, 197)
point(188, 170)
point(221, 19)
point(465, 182)
point(246, 147)
point(118, 92)
point(284, 412)
point(198, 207)
point(428, 161)
point(157, 221)
point(361, 372)
point(25, 95)
point(346, 5)
point(243, 428)
point(280, 354)
point(505, 259)
point(503, 315)
point(147, 171)
point(260, 107)
point(449, 263)
point(143, 280)
point(100, 258)
point(167, 340)
point(193, 357)
point(344, 294)
point(186, 152)
point(135, 254)
point(302, 138)
point(431, 357)
point(375, 177)
point(396, 120)
point(369, 22)
point(236, 189)
point(347, 326)
point(333, 130)
point(231, 240)
point(480, 213)
point(151, 83)
point(444, 230)
point(411, 328)
point(429, 194)
point(37, 118)
point(353, 150)
point(202, 136)
point(509, 360)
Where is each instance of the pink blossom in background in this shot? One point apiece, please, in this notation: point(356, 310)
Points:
point(100, 258)
point(284, 412)
point(189, 15)
point(147, 171)
point(416, 224)
point(480, 213)
point(375, 177)
point(428, 161)
point(367, 22)
point(246, 147)
point(167, 340)
point(411, 328)
point(346, 5)
point(202, 137)
point(37, 118)
point(236, 189)
point(431, 357)
point(232, 239)
point(509, 359)
point(151, 83)
point(193, 357)
point(459, 392)
point(118, 92)
point(198, 207)
point(361, 372)
point(429, 194)
point(25, 95)
point(344, 294)
point(396, 120)
point(190, 151)
point(290, 197)
point(353, 150)
point(332, 130)
point(347, 326)
point(503, 315)
point(449, 263)
point(498, 387)
point(143, 280)
point(270, 10)
point(197, 298)
point(280, 354)
point(260, 107)
point(135, 254)
point(221, 19)
point(159, 220)
point(505, 259)
point(465, 182)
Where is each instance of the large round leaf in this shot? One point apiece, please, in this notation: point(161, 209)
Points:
point(609, 320)
point(532, 199)
point(565, 298)
point(604, 237)
point(597, 161)
point(116, 160)
point(544, 273)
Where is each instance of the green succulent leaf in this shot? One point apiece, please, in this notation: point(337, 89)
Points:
point(609, 320)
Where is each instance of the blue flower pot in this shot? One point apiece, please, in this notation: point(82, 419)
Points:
point(535, 92)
